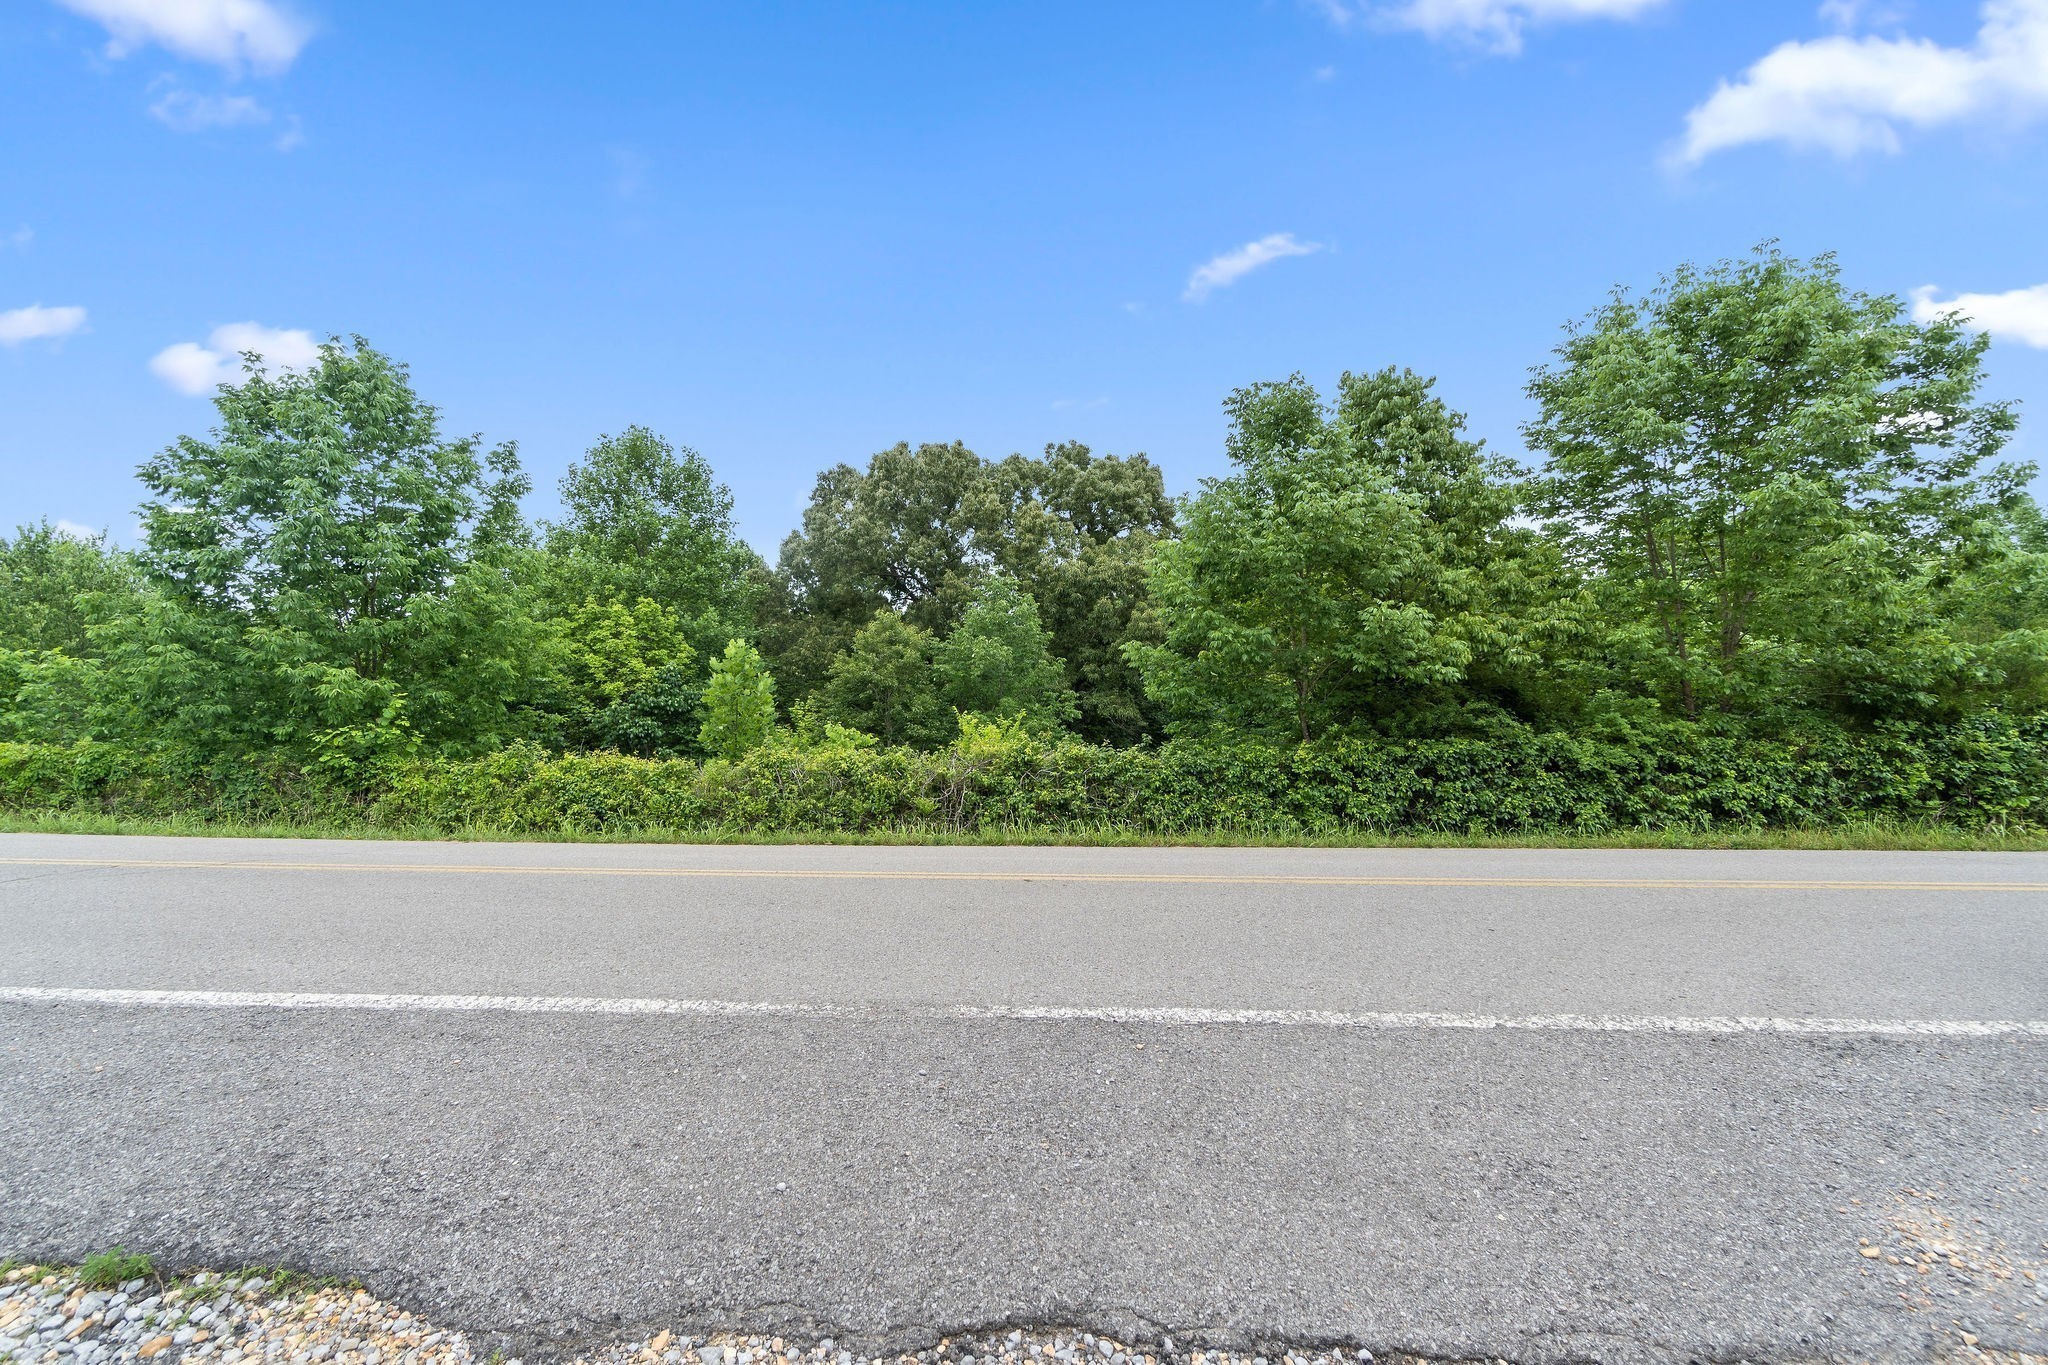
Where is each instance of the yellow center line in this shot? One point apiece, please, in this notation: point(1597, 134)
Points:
point(1114, 878)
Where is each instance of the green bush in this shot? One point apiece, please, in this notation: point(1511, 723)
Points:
point(1988, 772)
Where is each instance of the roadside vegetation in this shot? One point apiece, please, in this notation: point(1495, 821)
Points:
point(1765, 578)
point(116, 1265)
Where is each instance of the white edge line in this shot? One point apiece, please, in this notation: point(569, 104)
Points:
point(1116, 1014)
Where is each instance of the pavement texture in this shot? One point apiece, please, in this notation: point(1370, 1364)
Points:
point(888, 1176)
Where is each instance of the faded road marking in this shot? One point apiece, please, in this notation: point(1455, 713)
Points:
point(1106, 1014)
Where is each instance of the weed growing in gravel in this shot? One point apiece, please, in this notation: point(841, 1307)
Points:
point(281, 1280)
point(116, 1265)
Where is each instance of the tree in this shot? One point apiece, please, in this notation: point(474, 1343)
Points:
point(54, 587)
point(921, 527)
point(52, 584)
point(882, 683)
point(628, 677)
point(1080, 527)
point(998, 661)
point(1772, 482)
point(1360, 570)
point(643, 519)
point(333, 577)
point(739, 703)
point(905, 534)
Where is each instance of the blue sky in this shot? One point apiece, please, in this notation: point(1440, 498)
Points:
point(790, 235)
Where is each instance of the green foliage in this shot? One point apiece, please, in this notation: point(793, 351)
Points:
point(332, 578)
point(1776, 489)
point(1989, 772)
point(1359, 572)
point(998, 661)
point(739, 703)
point(628, 678)
point(1079, 531)
point(1774, 579)
point(114, 1266)
point(883, 684)
point(643, 519)
point(48, 696)
point(920, 528)
point(53, 588)
point(810, 729)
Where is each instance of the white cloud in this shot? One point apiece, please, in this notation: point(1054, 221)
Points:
point(37, 323)
point(1494, 24)
point(228, 33)
point(192, 368)
point(75, 530)
point(1845, 94)
point(1232, 266)
point(192, 113)
point(22, 237)
point(1843, 14)
point(2021, 314)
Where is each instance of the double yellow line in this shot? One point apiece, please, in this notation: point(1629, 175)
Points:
point(1106, 878)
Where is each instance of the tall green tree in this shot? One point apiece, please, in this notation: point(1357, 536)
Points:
point(922, 527)
point(906, 534)
point(998, 662)
point(1360, 570)
point(1777, 488)
point(882, 683)
point(53, 588)
point(739, 703)
point(333, 576)
point(643, 518)
point(1079, 528)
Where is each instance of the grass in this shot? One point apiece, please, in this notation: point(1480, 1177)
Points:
point(280, 1280)
point(114, 1266)
point(1873, 835)
point(117, 1265)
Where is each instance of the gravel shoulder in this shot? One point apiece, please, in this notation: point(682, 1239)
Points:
point(52, 1316)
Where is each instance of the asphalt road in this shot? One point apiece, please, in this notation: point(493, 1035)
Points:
point(1532, 1105)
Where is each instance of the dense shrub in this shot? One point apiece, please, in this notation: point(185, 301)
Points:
point(1988, 771)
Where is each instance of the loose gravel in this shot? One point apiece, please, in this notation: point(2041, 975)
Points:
point(49, 1316)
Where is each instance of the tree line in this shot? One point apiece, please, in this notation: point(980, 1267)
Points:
point(1760, 504)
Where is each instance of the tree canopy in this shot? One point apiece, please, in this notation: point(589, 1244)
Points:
point(998, 662)
point(1761, 507)
point(921, 528)
point(643, 519)
point(1781, 497)
point(1360, 570)
point(331, 575)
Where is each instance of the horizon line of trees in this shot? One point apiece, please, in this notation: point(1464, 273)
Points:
point(1767, 503)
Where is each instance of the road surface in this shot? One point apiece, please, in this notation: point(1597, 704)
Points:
point(1533, 1105)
